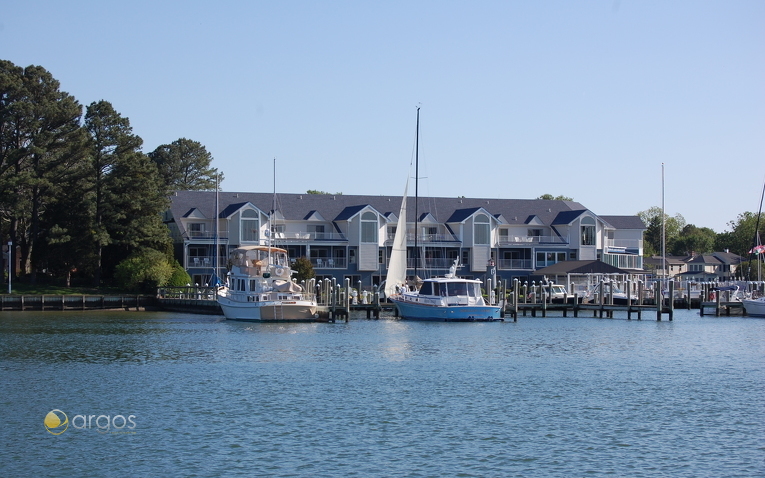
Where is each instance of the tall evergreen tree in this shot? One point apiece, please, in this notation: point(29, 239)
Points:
point(126, 195)
point(41, 143)
point(185, 165)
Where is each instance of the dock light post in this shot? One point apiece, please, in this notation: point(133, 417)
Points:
point(10, 244)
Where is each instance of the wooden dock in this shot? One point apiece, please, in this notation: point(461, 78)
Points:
point(77, 302)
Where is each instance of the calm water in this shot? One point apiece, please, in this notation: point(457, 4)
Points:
point(541, 397)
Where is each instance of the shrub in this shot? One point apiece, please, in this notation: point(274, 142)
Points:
point(180, 277)
point(144, 271)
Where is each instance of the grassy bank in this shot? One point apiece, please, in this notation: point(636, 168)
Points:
point(21, 288)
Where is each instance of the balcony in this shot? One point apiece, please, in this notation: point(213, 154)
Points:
point(206, 235)
point(205, 262)
point(617, 246)
point(517, 240)
point(514, 264)
point(329, 262)
point(429, 263)
point(425, 238)
point(309, 236)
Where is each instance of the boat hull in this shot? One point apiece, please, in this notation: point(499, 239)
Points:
point(755, 307)
point(456, 313)
point(272, 311)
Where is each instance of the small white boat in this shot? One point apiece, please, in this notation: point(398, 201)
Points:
point(755, 307)
point(618, 296)
point(446, 299)
point(260, 288)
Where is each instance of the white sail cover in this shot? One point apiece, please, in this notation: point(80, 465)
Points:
point(397, 265)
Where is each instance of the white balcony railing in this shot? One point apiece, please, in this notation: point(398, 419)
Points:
point(514, 264)
point(329, 262)
point(624, 243)
point(425, 238)
point(205, 262)
point(507, 240)
point(309, 236)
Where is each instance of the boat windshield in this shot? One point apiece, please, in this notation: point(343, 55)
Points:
point(463, 288)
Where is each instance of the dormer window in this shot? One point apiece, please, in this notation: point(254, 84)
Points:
point(369, 227)
point(481, 230)
point(250, 224)
point(588, 231)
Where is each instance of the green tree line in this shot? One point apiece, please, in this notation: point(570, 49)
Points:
point(78, 196)
point(684, 239)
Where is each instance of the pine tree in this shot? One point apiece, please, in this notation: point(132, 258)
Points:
point(185, 165)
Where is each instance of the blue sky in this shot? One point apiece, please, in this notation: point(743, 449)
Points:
point(519, 98)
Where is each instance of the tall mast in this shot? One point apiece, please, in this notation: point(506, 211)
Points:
point(663, 229)
point(271, 215)
point(416, 195)
point(756, 239)
point(215, 229)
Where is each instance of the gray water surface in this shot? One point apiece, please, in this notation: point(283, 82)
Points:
point(558, 397)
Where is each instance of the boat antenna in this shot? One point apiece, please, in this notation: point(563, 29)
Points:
point(416, 194)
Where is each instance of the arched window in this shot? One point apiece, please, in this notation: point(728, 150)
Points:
point(481, 230)
point(369, 227)
point(250, 226)
point(588, 231)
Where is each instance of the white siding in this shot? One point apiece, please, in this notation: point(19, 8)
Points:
point(368, 258)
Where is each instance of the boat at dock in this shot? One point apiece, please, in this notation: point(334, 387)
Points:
point(755, 307)
point(444, 299)
point(260, 288)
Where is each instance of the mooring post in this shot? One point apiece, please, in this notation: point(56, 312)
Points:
point(657, 299)
point(671, 299)
point(718, 300)
point(516, 289)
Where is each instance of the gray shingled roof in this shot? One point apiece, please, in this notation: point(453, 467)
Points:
point(579, 267)
point(566, 217)
point(338, 207)
point(624, 222)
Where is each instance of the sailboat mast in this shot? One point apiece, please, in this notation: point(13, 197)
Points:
point(215, 232)
point(416, 194)
point(663, 229)
point(271, 215)
point(756, 239)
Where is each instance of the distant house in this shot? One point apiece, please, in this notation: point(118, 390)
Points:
point(717, 266)
point(350, 237)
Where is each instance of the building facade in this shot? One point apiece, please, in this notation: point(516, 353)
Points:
point(351, 236)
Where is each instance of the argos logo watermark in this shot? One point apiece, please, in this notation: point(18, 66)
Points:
point(57, 422)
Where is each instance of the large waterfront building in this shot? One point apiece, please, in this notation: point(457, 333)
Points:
point(350, 237)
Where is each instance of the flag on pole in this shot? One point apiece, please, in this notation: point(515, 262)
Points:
point(757, 249)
